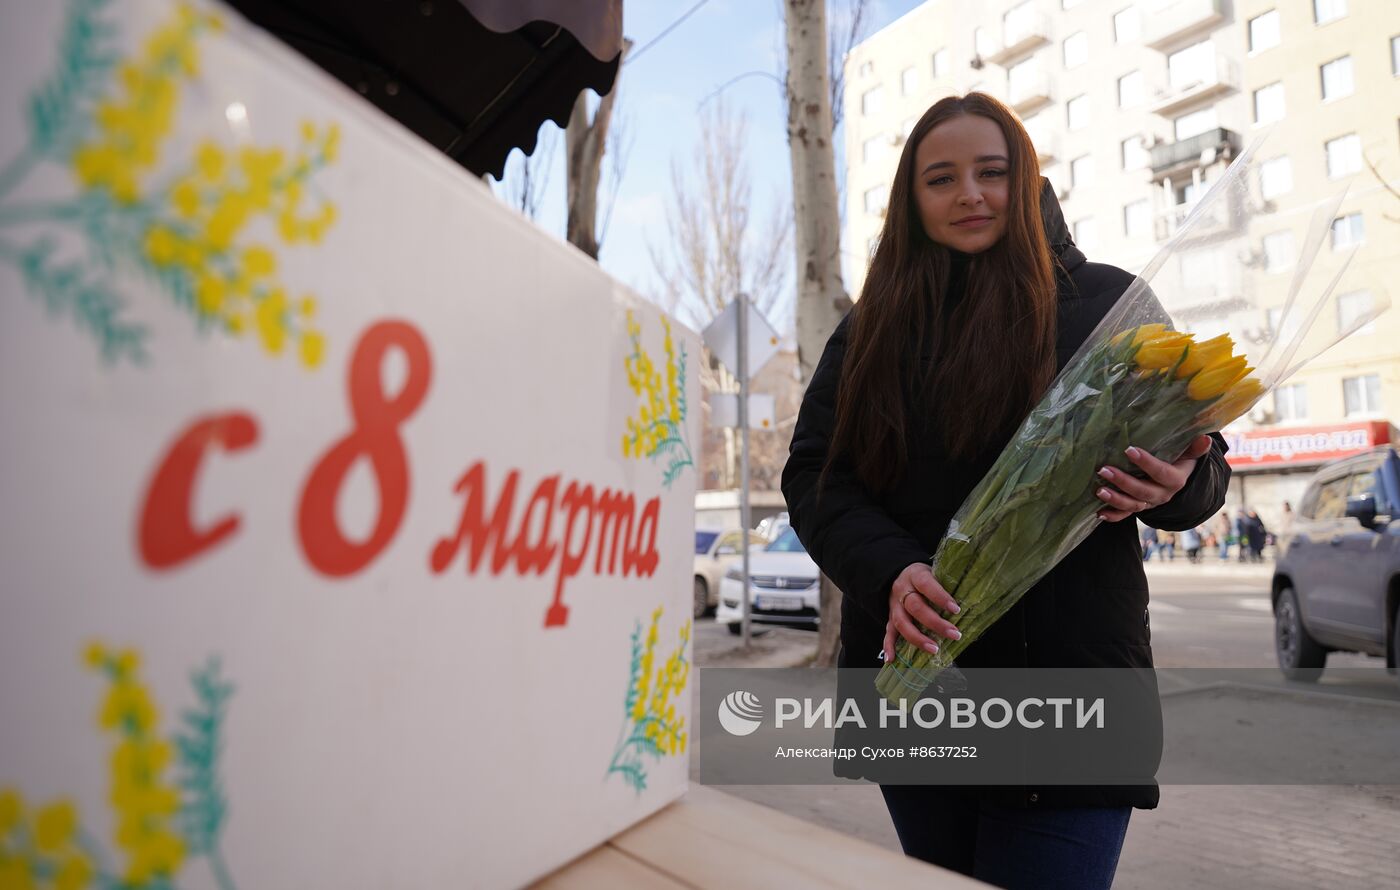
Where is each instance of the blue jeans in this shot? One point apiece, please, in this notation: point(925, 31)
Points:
point(1074, 848)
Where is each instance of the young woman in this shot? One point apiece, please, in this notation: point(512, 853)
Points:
point(975, 297)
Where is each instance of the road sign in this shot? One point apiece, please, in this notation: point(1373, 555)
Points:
point(722, 338)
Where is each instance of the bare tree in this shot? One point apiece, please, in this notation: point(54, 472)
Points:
point(821, 296)
point(714, 251)
point(847, 29)
point(586, 139)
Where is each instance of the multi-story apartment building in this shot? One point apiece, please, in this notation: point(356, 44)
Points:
point(1136, 108)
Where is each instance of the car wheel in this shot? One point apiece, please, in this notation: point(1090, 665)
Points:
point(702, 598)
point(1300, 657)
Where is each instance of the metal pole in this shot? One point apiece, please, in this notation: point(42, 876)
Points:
point(743, 331)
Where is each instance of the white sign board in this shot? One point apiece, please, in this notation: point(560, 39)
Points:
point(724, 410)
point(722, 338)
point(347, 517)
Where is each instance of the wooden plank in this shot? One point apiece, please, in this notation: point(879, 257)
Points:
point(608, 868)
point(712, 839)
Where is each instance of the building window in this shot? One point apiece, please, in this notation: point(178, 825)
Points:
point(1086, 233)
point(1137, 218)
point(1291, 402)
point(875, 200)
point(1017, 21)
point(908, 81)
point(1195, 123)
point(1278, 251)
point(867, 68)
point(1263, 31)
point(1353, 307)
point(1081, 171)
point(1134, 156)
point(940, 62)
point(982, 42)
point(1190, 66)
point(1076, 49)
point(1343, 155)
point(1325, 11)
point(1395, 56)
point(1127, 25)
point(1275, 178)
point(1336, 79)
point(1130, 89)
point(1077, 112)
point(1362, 395)
point(872, 100)
point(1021, 77)
point(872, 148)
point(1268, 103)
point(1189, 191)
point(1348, 231)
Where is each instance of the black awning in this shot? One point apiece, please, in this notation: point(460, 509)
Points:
point(450, 71)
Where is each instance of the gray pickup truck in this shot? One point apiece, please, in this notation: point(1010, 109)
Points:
point(1336, 586)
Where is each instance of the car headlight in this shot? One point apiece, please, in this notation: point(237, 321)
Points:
point(735, 575)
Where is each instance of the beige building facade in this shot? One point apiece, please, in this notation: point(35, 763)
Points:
point(1135, 109)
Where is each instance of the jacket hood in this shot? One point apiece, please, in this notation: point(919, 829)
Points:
point(1061, 242)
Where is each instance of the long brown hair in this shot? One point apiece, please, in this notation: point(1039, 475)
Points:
point(993, 354)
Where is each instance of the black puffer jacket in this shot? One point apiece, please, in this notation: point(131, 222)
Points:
point(1090, 611)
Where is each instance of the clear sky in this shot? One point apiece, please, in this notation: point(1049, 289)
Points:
point(658, 99)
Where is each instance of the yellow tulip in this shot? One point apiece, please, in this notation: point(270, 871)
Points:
point(1138, 334)
point(1206, 354)
point(1213, 381)
point(1162, 352)
point(1235, 402)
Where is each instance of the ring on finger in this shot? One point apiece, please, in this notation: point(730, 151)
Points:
point(904, 600)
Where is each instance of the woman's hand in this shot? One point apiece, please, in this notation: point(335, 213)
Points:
point(1126, 495)
point(910, 596)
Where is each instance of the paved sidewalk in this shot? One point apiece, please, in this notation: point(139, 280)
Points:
point(1213, 567)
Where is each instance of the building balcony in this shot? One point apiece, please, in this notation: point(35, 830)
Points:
point(1177, 20)
point(1025, 37)
point(1222, 77)
point(1030, 94)
point(1198, 151)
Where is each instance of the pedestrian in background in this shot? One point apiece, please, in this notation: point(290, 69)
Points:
point(1222, 534)
point(1168, 545)
point(1149, 542)
point(1256, 534)
point(1240, 531)
point(1191, 543)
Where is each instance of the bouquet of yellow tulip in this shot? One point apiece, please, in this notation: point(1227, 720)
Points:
point(1134, 381)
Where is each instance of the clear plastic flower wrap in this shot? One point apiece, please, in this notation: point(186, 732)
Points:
point(1198, 349)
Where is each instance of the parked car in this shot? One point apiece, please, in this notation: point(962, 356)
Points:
point(715, 551)
point(1336, 584)
point(783, 587)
